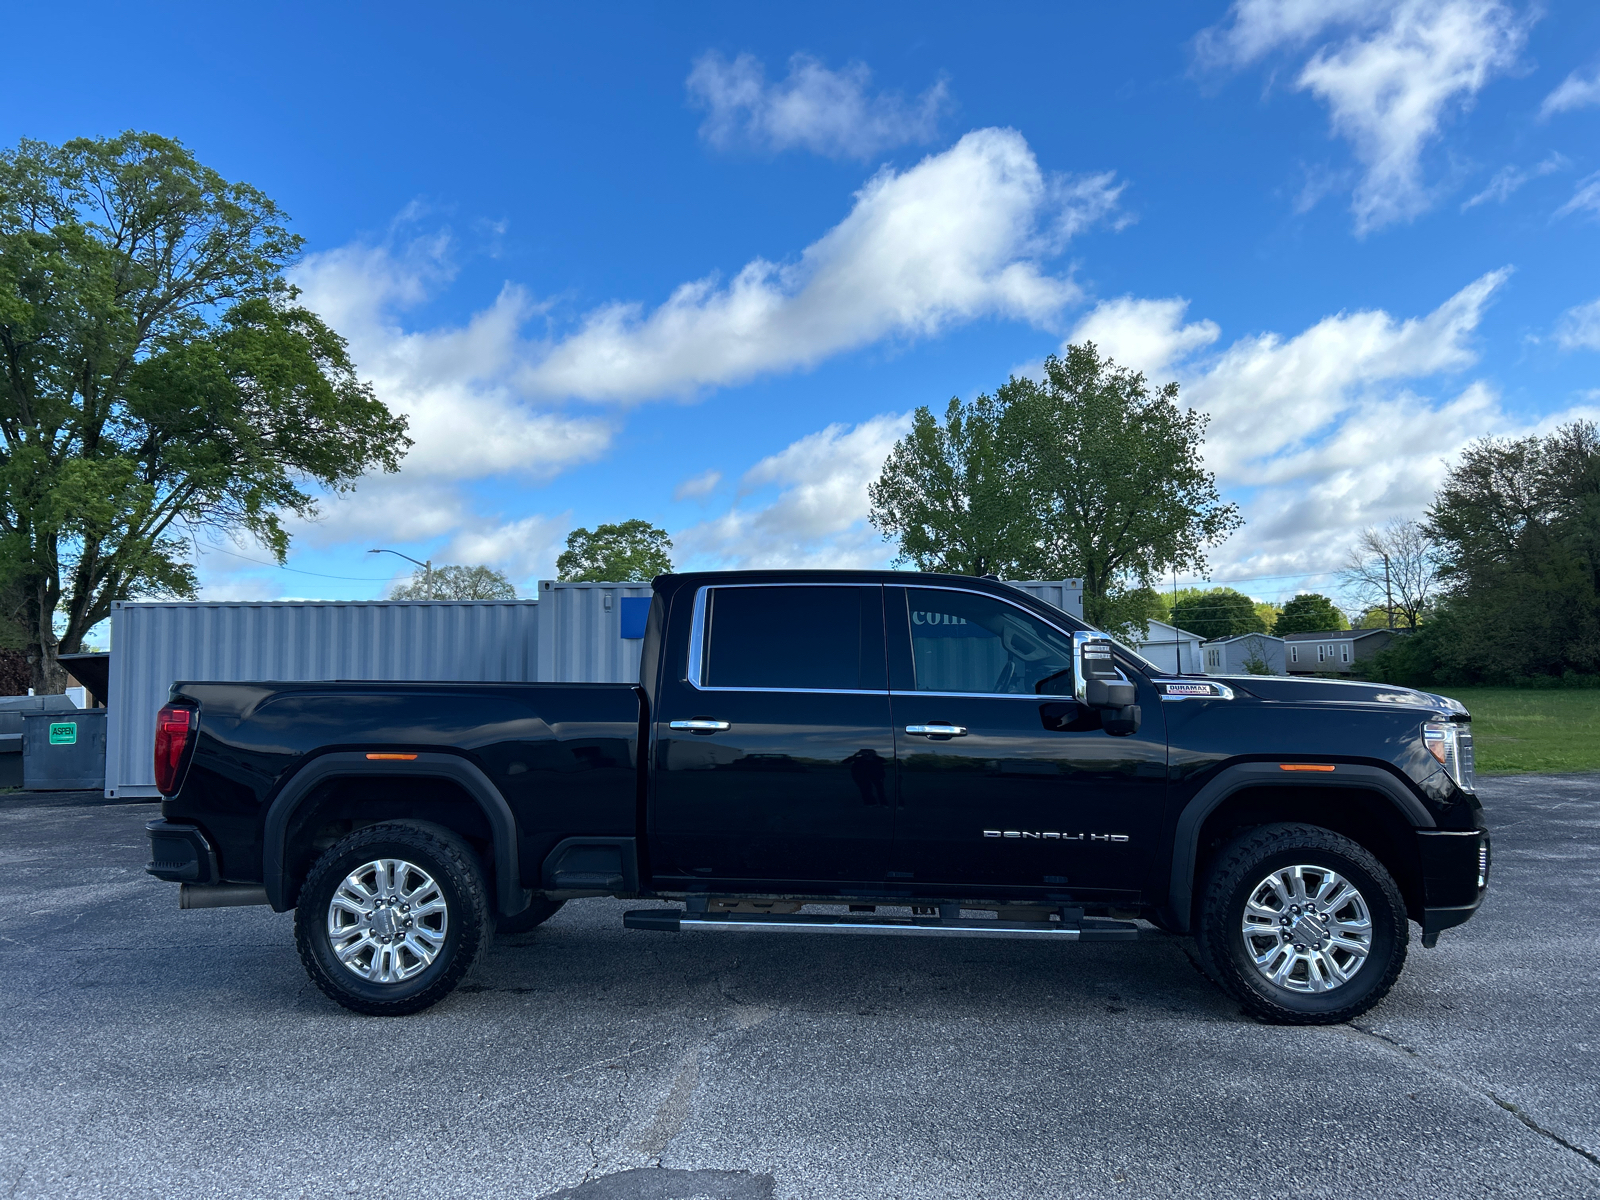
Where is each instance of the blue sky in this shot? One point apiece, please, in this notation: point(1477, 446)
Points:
point(697, 264)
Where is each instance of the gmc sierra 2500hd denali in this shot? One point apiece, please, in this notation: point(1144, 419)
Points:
point(949, 749)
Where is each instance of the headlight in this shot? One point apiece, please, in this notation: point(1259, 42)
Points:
point(1451, 744)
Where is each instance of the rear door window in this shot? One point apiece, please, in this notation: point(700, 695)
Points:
point(794, 637)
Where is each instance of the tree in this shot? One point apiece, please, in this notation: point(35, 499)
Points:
point(615, 553)
point(948, 492)
point(1309, 612)
point(1218, 613)
point(1517, 524)
point(159, 380)
point(1393, 570)
point(455, 583)
point(1086, 474)
point(1117, 491)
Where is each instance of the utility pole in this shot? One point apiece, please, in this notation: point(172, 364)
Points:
point(427, 568)
point(1388, 593)
point(1177, 645)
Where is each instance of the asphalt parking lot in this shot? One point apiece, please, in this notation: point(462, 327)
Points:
point(152, 1052)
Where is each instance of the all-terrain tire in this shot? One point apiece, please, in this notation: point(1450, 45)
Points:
point(444, 871)
point(1245, 870)
point(536, 914)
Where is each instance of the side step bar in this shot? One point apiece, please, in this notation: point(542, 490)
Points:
point(677, 920)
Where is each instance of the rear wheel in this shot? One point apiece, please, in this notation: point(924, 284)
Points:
point(1301, 925)
point(392, 917)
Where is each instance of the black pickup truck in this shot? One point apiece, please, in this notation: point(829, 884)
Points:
point(917, 755)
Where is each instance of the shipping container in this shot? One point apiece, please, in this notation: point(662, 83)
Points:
point(1065, 594)
point(155, 644)
point(591, 632)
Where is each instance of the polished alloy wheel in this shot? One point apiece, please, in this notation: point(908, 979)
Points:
point(387, 920)
point(1307, 929)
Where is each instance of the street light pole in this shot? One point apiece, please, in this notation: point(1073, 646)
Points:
point(427, 568)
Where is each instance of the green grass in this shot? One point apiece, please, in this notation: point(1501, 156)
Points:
point(1518, 730)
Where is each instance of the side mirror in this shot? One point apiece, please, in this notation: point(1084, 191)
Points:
point(1101, 685)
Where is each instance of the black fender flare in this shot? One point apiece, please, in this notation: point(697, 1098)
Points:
point(510, 895)
point(1176, 913)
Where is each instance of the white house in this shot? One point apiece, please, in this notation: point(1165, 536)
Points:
point(1170, 648)
point(1236, 655)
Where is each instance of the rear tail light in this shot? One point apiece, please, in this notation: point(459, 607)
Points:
point(174, 727)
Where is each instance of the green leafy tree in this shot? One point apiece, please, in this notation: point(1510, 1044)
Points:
point(1517, 525)
point(1309, 612)
point(1117, 491)
point(1218, 613)
point(948, 493)
point(631, 550)
point(1086, 474)
point(159, 381)
point(455, 583)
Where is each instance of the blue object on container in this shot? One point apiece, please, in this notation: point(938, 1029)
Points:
point(635, 612)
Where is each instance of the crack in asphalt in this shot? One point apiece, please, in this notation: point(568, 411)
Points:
point(1434, 1068)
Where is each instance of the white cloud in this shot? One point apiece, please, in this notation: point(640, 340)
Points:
point(1576, 91)
point(1324, 432)
point(1389, 86)
point(1262, 26)
point(827, 112)
point(1585, 198)
point(470, 416)
point(525, 549)
point(957, 237)
point(1269, 396)
point(1579, 327)
point(698, 486)
point(819, 515)
point(1508, 179)
point(1146, 335)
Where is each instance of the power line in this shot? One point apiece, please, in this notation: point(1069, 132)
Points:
point(296, 570)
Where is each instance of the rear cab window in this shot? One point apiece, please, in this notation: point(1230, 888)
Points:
point(793, 638)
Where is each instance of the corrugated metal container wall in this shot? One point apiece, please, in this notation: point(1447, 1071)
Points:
point(155, 644)
point(581, 633)
point(1065, 594)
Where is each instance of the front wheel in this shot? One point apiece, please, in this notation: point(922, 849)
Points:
point(392, 917)
point(1301, 925)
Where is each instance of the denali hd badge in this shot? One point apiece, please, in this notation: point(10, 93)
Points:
point(1055, 836)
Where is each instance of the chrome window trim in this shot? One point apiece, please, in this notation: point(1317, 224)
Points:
point(1034, 696)
point(697, 641)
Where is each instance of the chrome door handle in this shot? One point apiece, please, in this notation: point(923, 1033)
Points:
point(938, 730)
point(701, 726)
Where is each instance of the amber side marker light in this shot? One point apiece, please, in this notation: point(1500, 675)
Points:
point(1286, 766)
point(410, 757)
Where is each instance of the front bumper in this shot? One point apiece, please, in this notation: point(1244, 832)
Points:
point(1455, 877)
point(180, 854)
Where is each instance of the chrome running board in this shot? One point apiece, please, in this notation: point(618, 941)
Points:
point(677, 920)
